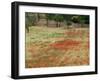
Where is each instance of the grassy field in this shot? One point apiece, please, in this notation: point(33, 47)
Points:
point(53, 47)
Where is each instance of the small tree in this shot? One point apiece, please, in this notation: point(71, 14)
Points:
point(58, 18)
point(30, 20)
point(49, 17)
point(67, 19)
point(75, 19)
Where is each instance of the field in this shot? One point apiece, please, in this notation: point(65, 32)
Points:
point(53, 47)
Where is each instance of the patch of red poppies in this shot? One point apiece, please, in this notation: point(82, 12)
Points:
point(66, 44)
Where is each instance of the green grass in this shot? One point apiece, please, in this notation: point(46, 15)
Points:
point(37, 34)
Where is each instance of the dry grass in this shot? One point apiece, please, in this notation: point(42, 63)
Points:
point(52, 47)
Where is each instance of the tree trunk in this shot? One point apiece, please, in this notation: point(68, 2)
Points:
point(38, 17)
point(57, 24)
point(47, 21)
point(27, 28)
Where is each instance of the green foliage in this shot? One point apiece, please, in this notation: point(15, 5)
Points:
point(84, 19)
point(50, 16)
point(75, 19)
point(33, 18)
point(67, 19)
point(30, 19)
point(58, 17)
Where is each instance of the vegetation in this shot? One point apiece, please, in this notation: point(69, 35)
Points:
point(55, 47)
point(32, 19)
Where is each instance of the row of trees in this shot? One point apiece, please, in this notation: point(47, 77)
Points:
point(31, 19)
point(68, 19)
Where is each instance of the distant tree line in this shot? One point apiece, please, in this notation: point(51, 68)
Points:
point(32, 19)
